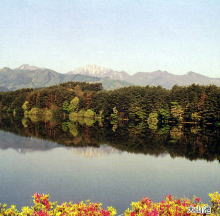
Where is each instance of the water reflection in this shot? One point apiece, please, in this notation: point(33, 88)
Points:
point(114, 165)
point(191, 142)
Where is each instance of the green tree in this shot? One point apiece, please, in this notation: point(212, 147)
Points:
point(25, 106)
point(66, 106)
point(137, 113)
point(114, 115)
point(163, 115)
point(73, 106)
point(153, 120)
point(177, 111)
point(89, 113)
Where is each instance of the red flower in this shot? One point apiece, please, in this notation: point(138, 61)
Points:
point(197, 199)
point(41, 213)
point(146, 200)
point(169, 197)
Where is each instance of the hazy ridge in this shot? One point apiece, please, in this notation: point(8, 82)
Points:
point(27, 76)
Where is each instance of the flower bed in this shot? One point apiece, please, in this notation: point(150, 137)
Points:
point(174, 207)
point(170, 206)
point(43, 207)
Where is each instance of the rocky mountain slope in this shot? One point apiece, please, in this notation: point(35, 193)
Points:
point(155, 78)
point(27, 76)
point(97, 71)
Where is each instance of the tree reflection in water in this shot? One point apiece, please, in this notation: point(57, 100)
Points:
point(192, 142)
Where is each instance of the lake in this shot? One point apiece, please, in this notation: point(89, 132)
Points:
point(112, 164)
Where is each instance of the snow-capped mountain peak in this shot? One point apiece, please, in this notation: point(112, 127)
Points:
point(98, 71)
point(27, 67)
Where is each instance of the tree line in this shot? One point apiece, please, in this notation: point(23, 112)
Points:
point(141, 105)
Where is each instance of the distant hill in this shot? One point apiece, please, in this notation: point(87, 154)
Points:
point(168, 80)
point(3, 89)
point(27, 76)
point(155, 78)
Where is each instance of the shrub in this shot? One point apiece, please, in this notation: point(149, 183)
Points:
point(89, 113)
point(25, 106)
point(153, 120)
point(81, 113)
point(38, 114)
point(35, 111)
point(73, 116)
point(43, 207)
point(170, 206)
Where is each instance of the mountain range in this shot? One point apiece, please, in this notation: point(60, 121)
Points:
point(27, 76)
point(163, 78)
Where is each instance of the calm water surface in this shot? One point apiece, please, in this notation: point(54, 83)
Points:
point(103, 172)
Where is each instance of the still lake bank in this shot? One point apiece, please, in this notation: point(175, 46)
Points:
point(77, 141)
point(79, 161)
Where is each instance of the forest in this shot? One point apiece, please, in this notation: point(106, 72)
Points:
point(194, 104)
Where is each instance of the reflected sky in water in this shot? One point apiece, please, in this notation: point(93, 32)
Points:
point(102, 174)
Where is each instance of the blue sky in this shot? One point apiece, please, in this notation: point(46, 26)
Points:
point(131, 35)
